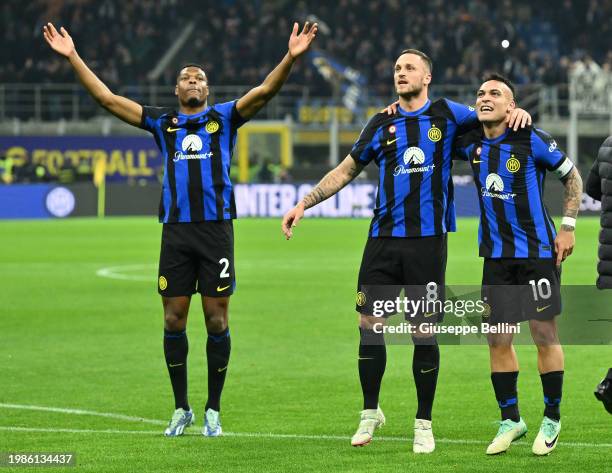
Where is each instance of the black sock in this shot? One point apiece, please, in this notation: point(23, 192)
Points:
point(218, 348)
point(175, 350)
point(552, 385)
point(504, 384)
point(372, 363)
point(425, 364)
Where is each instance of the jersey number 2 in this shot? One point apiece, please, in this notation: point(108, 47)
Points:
point(225, 263)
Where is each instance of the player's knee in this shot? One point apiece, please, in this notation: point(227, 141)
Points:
point(500, 342)
point(544, 334)
point(215, 314)
point(216, 323)
point(175, 318)
point(174, 322)
point(501, 351)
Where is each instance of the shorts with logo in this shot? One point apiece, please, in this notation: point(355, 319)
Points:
point(197, 257)
point(393, 265)
point(519, 289)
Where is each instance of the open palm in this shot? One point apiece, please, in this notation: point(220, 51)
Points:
point(298, 43)
point(60, 42)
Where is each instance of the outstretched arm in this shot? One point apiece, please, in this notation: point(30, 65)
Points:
point(331, 184)
point(123, 108)
point(256, 98)
point(565, 240)
point(517, 118)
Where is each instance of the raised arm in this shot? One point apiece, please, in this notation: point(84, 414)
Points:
point(565, 240)
point(331, 184)
point(123, 108)
point(256, 98)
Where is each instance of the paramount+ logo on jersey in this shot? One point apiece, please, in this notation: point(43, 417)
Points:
point(494, 187)
point(413, 159)
point(191, 147)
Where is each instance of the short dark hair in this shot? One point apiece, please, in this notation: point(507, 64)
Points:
point(500, 78)
point(422, 55)
point(189, 64)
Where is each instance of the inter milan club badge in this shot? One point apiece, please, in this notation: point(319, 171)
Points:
point(212, 127)
point(478, 150)
point(434, 134)
point(392, 129)
point(174, 121)
point(513, 164)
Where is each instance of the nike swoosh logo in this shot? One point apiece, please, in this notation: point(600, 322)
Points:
point(221, 369)
point(221, 289)
point(171, 130)
point(366, 358)
point(390, 142)
point(428, 371)
point(476, 162)
point(174, 366)
point(429, 314)
point(540, 309)
point(551, 444)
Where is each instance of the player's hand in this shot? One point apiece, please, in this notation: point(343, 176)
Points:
point(519, 118)
point(391, 109)
point(564, 245)
point(61, 42)
point(298, 43)
point(291, 219)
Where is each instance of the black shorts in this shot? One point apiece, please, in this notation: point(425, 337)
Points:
point(518, 289)
point(390, 265)
point(197, 257)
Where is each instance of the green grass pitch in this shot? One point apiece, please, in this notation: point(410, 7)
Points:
point(72, 339)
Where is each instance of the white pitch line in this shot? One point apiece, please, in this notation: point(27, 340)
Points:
point(77, 431)
point(82, 413)
point(262, 435)
point(116, 272)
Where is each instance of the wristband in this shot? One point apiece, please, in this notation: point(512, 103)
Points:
point(569, 221)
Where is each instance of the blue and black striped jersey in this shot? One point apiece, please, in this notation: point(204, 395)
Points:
point(509, 173)
point(197, 152)
point(413, 153)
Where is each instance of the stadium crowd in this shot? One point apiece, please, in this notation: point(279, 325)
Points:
point(238, 41)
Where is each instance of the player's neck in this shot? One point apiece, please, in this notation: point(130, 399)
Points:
point(413, 103)
point(193, 110)
point(494, 130)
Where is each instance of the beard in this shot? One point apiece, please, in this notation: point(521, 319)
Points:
point(412, 91)
point(193, 102)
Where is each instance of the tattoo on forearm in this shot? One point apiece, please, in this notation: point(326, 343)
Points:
point(573, 194)
point(333, 181)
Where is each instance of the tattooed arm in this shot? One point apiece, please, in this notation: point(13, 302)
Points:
point(331, 184)
point(565, 240)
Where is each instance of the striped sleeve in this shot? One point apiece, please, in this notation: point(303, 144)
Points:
point(150, 115)
point(547, 153)
point(229, 111)
point(464, 116)
point(363, 149)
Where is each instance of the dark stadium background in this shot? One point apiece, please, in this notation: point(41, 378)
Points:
point(554, 56)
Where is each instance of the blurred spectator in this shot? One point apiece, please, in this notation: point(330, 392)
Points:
point(265, 173)
point(239, 40)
